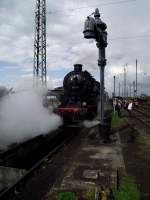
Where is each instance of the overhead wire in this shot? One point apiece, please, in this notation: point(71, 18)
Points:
point(92, 5)
point(113, 39)
point(105, 4)
point(130, 37)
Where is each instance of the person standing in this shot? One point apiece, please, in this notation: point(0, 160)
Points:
point(103, 195)
point(130, 105)
point(114, 104)
point(118, 107)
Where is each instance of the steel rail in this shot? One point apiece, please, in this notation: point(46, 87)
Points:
point(25, 177)
point(140, 116)
point(11, 150)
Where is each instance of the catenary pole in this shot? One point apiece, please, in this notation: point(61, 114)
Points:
point(119, 89)
point(39, 68)
point(134, 89)
point(136, 76)
point(114, 86)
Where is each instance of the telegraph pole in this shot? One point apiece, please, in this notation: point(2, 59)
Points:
point(124, 82)
point(130, 90)
point(119, 89)
point(39, 68)
point(114, 86)
point(136, 76)
point(122, 91)
point(134, 89)
point(127, 93)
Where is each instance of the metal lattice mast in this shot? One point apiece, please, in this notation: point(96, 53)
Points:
point(40, 42)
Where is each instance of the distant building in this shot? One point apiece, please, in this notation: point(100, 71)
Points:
point(3, 91)
point(53, 97)
point(143, 96)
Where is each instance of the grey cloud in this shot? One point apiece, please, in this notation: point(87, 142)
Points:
point(65, 42)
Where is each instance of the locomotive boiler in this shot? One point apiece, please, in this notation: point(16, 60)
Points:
point(81, 96)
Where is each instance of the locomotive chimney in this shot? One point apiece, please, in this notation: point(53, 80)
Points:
point(78, 67)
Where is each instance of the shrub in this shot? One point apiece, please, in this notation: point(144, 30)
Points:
point(90, 194)
point(128, 190)
point(140, 140)
point(67, 196)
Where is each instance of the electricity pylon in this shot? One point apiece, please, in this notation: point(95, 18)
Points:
point(39, 70)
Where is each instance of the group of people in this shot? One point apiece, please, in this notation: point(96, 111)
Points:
point(119, 103)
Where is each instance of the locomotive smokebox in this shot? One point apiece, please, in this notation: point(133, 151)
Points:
point(77, 67)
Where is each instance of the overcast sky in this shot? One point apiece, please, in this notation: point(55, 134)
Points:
point(128, 27)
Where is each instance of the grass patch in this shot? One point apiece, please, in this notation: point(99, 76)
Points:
point(118, 121)
point(128, 190)
point(90, 194)
point(66, 196)
point(137, 137)
point(140, 139)
point(141, 107)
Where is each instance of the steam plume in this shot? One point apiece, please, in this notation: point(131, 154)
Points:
point(23, 116)
point(90, 124)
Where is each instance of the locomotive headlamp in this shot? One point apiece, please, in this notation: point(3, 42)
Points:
point(84, 103)
point(59, 103)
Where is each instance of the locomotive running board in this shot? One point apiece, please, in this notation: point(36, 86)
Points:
point(73, 126)
point(76, 124)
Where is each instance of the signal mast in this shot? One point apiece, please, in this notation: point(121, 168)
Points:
point(39, 68)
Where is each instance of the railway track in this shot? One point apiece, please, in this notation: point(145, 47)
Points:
point(145, 109)
point(21, 156)
point(8, 158)
point(142, 116)
point(17, 149)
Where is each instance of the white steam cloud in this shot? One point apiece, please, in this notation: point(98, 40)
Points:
point(23, 116)
point(90, 124)
point(95, 121)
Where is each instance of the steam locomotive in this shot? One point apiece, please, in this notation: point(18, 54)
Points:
point(80, 96)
